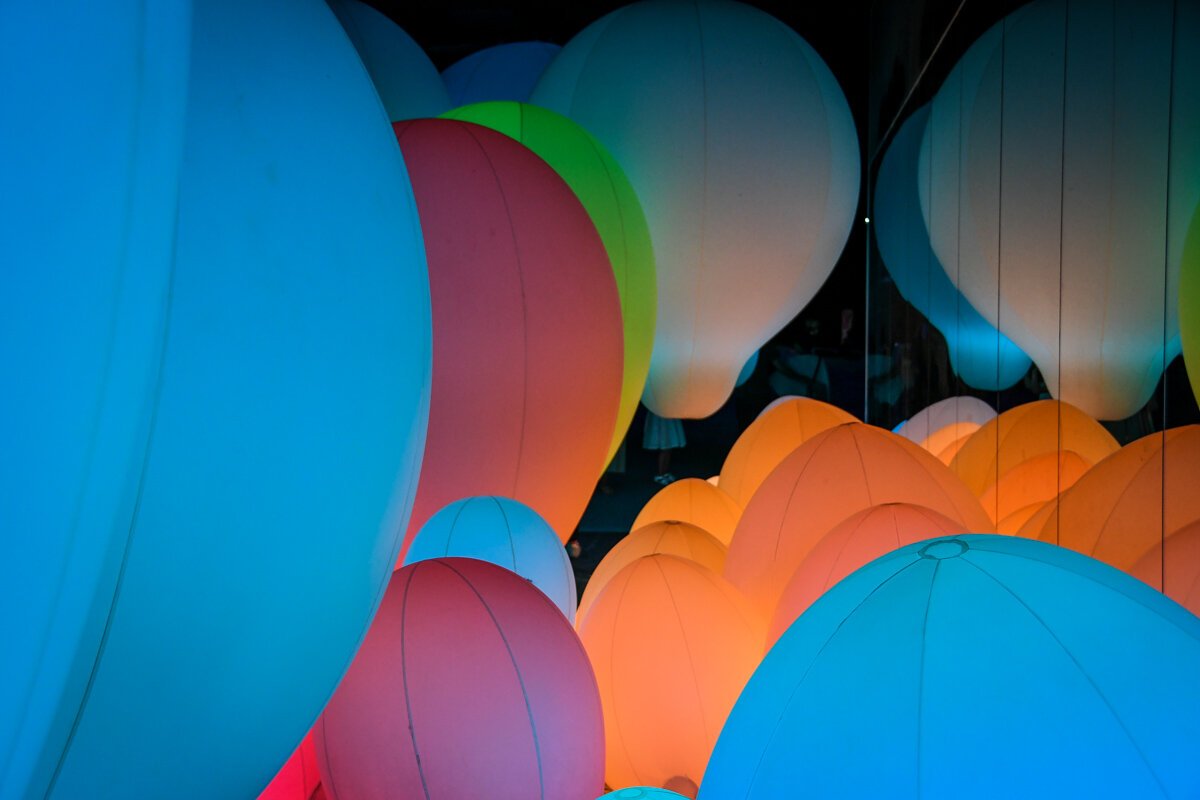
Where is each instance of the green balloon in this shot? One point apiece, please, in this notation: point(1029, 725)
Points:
point(601, 186)
point(1189, 303)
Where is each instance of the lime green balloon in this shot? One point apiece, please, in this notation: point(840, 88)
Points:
point(1189, 303)
point(601, 186)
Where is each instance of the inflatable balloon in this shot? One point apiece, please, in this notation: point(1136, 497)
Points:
point(973, 666)
point(1122, 508)
point(503, 72)
point(255, 483)
point(862, 538)
point(1173, 567)
point(298, 779)
point(527, 326)
point(694, 501)
point(673, 538)
point(1028, 486)
point(833, 475)
point(470, 683)
point(743, 152)
point(672, 645)
point(1189, 304)
point(962, 410)
point(1065, 160)
point(504, 532)
point(943, 438)
point(605, 192)
point(641, 793)
point(407, 81)
point(980, 355)
point(770, 438)
point(86, 233)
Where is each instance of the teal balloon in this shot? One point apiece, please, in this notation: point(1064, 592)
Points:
point(504, 72)
point(223, 307)
point(972, 666)
point(641, 793)
point(980, 355)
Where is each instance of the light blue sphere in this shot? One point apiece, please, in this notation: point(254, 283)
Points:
point(504, 72)
point(642, 793)
point(504, 532)
point(972, 666)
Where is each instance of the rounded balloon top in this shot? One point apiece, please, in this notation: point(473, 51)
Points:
point(742, 149)
point(693, 501)
point(504, 532)
point(642, 793)
point(936, 416)
point(503, 72)
point(972, 666)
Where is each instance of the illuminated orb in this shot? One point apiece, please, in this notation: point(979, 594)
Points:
point(1019, 434)
point(641, 793)
point(947, 437)
point(470, 683)
point(1189, 304)
point(862, 538)
point(1173, 567)
point(270, 447)
point(693, 501)
point(606, 193)
point(503, 72)
point(743, 151)
point(770, 438)
point(407, 81)
point(298, 779)
point(953, 411)
point(1029, 485)
point(1121, 507)
point(672, 645)
point(527, 356)
point(833, 475)
point(504, 532)
point(973, 666)
point(979, 354)
point(1064, 155)
point(670, 537)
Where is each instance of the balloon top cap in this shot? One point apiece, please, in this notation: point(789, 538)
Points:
point(944, 548)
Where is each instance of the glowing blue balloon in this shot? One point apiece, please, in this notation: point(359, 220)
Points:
point(641, 793)
point(240, 433)
point(972, 666)
point(505, 532)
point(407, 81)
point(747, 370)
point(504, 72)
point(979, 354)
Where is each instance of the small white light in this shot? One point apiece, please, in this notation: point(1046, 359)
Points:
point(867, 220)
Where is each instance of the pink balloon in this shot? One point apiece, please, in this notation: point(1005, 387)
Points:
point(527, 333)
point(298, 779)
point(470, 683)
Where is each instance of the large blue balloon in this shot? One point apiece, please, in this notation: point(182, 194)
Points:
point(982, 356)
point(972, 666)
point(244, 425)
point(504, 72)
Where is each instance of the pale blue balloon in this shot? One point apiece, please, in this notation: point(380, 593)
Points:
point(972, 666)
point(504, 532)
point(641, 793)
point(407, 81)
point(504, 72)
point(255, 463)
point(979, 354)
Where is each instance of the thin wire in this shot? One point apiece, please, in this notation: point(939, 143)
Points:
point(1062, 201)
point(1162, 540)
point(999, 232)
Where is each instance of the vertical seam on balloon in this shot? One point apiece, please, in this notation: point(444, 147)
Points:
point(157, 395)
point(1062, 204)
point(791, 494)
point(404, 676)
point(863, 466)
point(524, 309)
point(1120, 723)
point(691, 661)
point(537, 749)
point(475, 68)
point(921, 670)
point(616, 720)
point(512, 548)
point(325, 748)
point(703, 203)
point(1142, 468)
point(462, 506)
point(783, 708)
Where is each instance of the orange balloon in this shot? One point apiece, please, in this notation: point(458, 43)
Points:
point(1019, 434)
point(672, 645)
point(859, 540)
point(1033, 482)
point(1179, 565)
point(947, 453)
point(945, 436)
point(1014, 523)
point(777, 432)
point(835, 474)
point(694, 501)
point(1121, 509)
point(674, 538)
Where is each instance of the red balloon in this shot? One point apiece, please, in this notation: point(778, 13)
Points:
point(527, 334)
point(470, 683)
point(298, 779)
